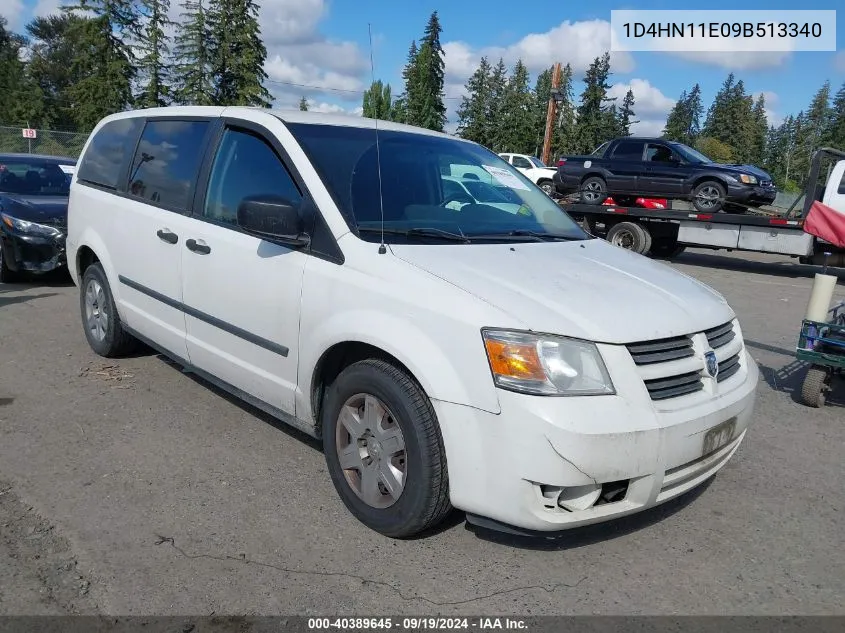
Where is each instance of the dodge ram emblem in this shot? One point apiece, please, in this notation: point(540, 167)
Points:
point(712, 364)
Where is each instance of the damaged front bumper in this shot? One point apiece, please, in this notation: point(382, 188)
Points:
point(33, 253)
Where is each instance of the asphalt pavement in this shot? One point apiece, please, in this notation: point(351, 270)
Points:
point(128, 487)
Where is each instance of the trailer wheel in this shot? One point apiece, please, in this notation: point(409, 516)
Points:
point(816, 385)
point(708, 196)
point(630, 236)
point(593, 190)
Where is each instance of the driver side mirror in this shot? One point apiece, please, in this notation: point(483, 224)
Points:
point(273, 218)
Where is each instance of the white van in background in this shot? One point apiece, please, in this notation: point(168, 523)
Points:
point(505, 364)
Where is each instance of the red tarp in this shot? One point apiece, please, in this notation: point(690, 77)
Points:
point(826, 223)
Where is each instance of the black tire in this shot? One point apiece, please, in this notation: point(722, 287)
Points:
point(815, 387)
point(593, 190)
point(424, 498)
point(630, 236)
point(547, 186)
point(7, 275)
point(116, 341)
point(707, 188)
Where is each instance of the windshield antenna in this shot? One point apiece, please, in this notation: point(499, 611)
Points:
point(382, 249)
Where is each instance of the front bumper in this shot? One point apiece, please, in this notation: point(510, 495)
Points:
point(750, 194)
point(31, 253)
point(514, 468)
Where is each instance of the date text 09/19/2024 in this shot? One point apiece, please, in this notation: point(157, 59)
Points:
point(416, 623)
point(722, 29)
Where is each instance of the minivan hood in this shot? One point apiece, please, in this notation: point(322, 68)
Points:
point(587, 289)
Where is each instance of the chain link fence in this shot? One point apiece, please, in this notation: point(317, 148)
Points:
point(50, 142)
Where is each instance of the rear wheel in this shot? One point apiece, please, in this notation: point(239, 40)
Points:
point(593, 190)
point(630, 236)
point(100, 320)
point(384, 450)
point(546, 186)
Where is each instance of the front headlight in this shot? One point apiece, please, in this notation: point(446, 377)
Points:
point(29, 228)
point(546, 365)
point(748, 179)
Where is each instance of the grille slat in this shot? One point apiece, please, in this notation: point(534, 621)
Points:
point(661, 351)
point(674, 386)
point(720, 336)
point(728, 368)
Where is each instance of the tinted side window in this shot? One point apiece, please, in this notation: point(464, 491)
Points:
point(107, 153)
point(658, 153)
point(245, 165)
point(166, 163)
point(522, 163)
point(629, 150)
point(842, 185)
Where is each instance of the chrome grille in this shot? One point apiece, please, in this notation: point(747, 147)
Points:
point(662, 350)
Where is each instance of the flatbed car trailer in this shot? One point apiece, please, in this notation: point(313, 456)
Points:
point(667, 232)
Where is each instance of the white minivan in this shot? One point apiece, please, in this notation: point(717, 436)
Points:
point(449, 353)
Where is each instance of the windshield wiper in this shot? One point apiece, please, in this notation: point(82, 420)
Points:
point(418, 232)
point(537, 235)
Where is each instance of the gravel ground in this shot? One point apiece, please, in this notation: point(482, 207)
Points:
point(131, 488)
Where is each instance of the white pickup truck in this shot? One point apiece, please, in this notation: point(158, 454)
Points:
point(533, 168)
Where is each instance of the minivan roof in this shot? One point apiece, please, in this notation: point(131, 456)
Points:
point(286, 116)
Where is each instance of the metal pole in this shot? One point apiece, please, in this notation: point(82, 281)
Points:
point(28, 139)
point(550, 115)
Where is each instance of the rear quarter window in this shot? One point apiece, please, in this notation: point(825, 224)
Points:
point(108, 152)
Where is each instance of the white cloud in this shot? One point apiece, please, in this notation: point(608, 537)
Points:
point(737, 60)
point(648, 127)
point(12, 10)
point(839, 61)
point(648, 100)
point(771, 99)
point(47, 7)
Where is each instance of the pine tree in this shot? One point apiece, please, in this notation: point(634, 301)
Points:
point(495, 110)
point(431, 70)
point(759, 132)
point(154, 50)
point(516, 124)
point(377, 101)
point(406, 108)
point(595, 123)
point(565, 138)
point(836, 129)
point(626, 114)
point(472, 113)
point(303, 104)
point(238, 54)
point(193, 83)
point(21, 101)
point(104, 60)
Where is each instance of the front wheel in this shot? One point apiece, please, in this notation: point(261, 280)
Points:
point(816, 385)
point(708, 197)
point(102, 324)
point(384, 450)
point(547, 187)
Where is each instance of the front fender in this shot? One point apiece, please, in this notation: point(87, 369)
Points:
point(90, 238)
point(460, 375)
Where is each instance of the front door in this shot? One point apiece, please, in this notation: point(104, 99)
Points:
point(664, 171)
point(242, 293)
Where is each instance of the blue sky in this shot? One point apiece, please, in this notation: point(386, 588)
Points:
point(324, 44)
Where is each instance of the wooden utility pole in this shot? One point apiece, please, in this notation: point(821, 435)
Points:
point(551, 115)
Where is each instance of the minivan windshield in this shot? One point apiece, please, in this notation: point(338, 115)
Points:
point(433, 188)
point(35, 176)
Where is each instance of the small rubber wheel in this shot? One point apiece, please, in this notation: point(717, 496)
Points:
point(630, 236)
point(708, 196)
point(7, 275)
point(815, 387)
point(547, 187)
point(593, 190)
point(100, 320)
point(384, 450)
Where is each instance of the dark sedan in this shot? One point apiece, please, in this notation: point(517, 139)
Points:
point(33, 213)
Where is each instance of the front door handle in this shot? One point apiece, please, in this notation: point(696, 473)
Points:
point(166, 235)
point(197, 247)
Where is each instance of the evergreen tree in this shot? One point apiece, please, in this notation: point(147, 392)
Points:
point(431, 70)
point(542, 93)
point(472, 113)
point(684, 121)
point(154, 48)
point(103, 61)
point(407, 106)
point(759, 132)
point(626, 114)
point(53, 46)
point(377, 101)
point(836, 129)
point(565, 138)
point(819, 117)
point(237, 54)
point(517, 133)
point(495, 110)
point(20, 97)
point(730, 118)
point(303, 104)
point(193, 84)
point(595, 121)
